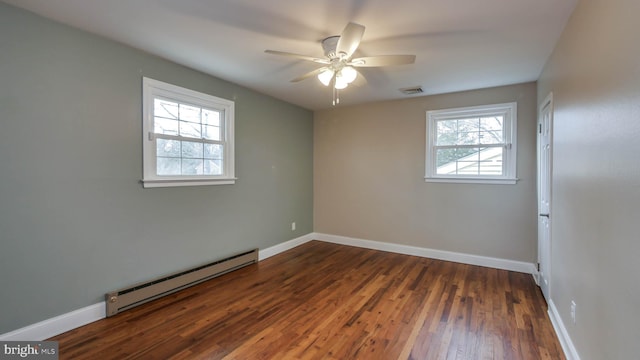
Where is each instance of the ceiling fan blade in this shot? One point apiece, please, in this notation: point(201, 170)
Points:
point(310, 74)
point(298, 56)
point(349, 40)
point(383, 60)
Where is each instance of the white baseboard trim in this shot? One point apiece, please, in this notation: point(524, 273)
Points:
point(485, 261)
point(57, 325)
point(282, 247)
point(569, 349)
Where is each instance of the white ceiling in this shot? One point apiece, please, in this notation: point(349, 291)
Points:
point(459, 44)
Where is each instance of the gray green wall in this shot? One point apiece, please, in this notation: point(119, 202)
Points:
point(369, 166)
point(594, 74)
point(75, 221)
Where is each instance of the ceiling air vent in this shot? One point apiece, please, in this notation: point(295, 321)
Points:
point(412, 90)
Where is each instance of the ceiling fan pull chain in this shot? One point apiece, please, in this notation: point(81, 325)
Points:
point(334, 95)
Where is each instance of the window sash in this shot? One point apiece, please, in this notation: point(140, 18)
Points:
point(180, 120)
point(472, 161)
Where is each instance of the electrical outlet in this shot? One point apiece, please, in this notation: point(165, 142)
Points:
point(573, 311)
point(293, 226)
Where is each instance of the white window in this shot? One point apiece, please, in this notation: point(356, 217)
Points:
point(472, 144)
point(187, 137)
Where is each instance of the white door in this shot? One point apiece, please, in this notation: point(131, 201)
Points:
point(545, 128)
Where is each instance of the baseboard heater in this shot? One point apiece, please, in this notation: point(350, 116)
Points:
point(124, 299)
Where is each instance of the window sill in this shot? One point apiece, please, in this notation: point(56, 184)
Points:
point(472, 180)
point(186, 182)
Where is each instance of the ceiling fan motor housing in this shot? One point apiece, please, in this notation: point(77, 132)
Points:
point(329, 46)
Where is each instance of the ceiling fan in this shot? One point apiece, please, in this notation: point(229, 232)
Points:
point(338, 67)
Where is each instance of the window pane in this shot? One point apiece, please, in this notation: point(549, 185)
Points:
point(447, 132)
point(491, 161)
point(192, 166)
point(188, 129)
point(211, 132)
point(165, 109)
point(192, 150)
point(168, 148)
point(445, 156)
point(468, 131)
point(165, 126)
point(189, 113)
point(469, 165)
point(491, 130)
point(211, 117)
point(491, 123)
point(212, 151)
point(167, 166)
point(213, 167)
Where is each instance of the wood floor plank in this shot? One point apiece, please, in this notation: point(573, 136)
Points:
point(328, 301)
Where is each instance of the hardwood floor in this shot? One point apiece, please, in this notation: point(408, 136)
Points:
point(327, 301)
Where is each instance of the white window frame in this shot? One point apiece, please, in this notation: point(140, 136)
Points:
point(152, 89)
point(509, 112)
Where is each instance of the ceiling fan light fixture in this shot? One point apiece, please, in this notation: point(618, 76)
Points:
point(348, 74)
point(340, 83)
point(325, 77)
